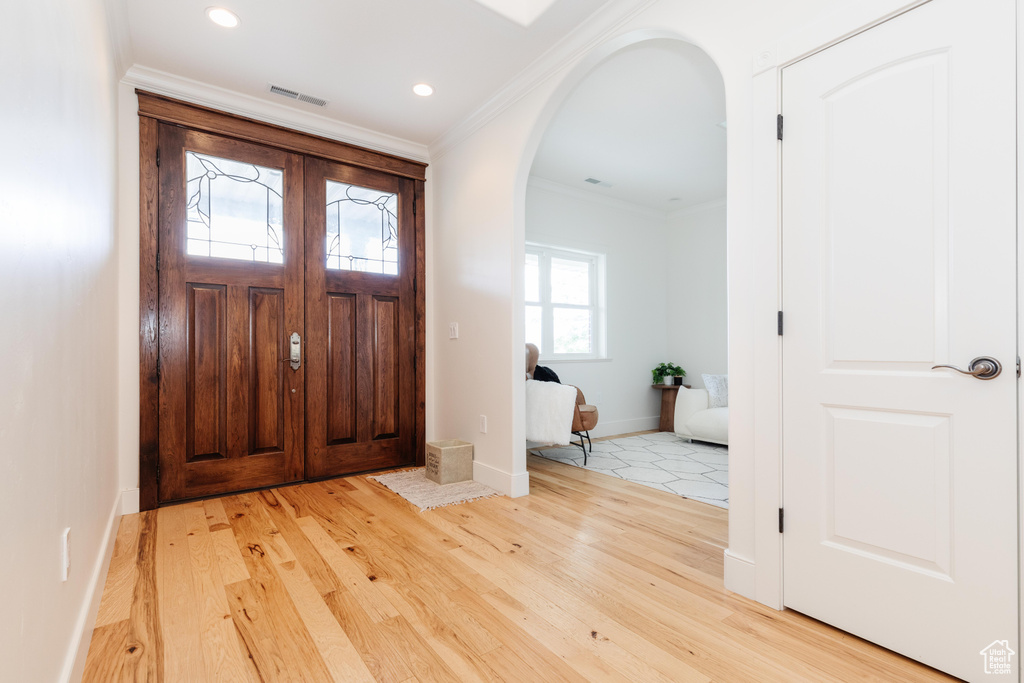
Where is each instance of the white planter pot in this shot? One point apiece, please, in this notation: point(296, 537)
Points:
point(668, 381)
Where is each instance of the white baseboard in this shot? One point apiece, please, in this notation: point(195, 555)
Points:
point(740, 576)
point(74, 660)
point(637, 424)
point(129, 501)
point(512, 485)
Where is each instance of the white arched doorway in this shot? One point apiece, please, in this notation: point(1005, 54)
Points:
point(628, 120)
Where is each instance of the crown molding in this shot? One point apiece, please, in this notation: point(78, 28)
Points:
point(697, 208)
point(592, 32)
point(120, 35)
point(594, 197)
point(162, 83)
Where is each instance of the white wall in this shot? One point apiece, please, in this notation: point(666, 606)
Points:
point(480, 186)
point(58, 464)
point(698, 322)
point(128, 295)
point(633, 238)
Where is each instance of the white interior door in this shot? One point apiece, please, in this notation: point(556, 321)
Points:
point(899, 242)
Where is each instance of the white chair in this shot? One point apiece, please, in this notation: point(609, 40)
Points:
point(695, 420)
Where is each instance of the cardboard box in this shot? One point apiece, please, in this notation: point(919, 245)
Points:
point(449, 461)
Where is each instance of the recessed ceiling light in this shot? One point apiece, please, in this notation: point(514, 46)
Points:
point(222, 17)
point(423, 90)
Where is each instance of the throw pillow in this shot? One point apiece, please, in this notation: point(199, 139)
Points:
point(718, 390)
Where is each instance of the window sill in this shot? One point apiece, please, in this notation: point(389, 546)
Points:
point(553, 361)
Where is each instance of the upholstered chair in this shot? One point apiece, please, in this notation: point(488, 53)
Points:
point(584, 416)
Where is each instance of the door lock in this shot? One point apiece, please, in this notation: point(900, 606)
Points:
point(295, 357)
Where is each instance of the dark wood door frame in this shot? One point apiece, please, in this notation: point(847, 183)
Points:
point(154, 109)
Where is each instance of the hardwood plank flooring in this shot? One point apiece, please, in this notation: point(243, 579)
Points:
point(589, 578)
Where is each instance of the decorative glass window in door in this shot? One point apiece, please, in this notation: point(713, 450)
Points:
point(362, 229)
point(235, 209)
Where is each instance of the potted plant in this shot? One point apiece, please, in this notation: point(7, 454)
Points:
point(665, 373)
point(677, 375)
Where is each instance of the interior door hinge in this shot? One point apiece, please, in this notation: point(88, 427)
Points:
point(778, 127)
point(780, 323)
point(781, 515)
point(158, 157)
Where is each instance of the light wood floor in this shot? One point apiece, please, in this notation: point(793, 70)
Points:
point(589, 578)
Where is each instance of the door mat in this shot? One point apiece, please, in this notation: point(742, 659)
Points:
point(414, 486)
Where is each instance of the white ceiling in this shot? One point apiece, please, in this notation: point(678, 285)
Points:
point(646, 121)
point(363, 56)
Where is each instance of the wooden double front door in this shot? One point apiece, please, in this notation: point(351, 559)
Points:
point(287, 333)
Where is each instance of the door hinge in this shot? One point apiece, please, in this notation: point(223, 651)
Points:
point(780, 323)
point(778, 127)
point(781, 515)
point(158, 157)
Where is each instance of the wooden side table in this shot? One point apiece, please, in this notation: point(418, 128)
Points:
point(668, 405)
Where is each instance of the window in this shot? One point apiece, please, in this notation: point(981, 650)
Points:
point(563, 294)
point(362, 229)
point(235, 209)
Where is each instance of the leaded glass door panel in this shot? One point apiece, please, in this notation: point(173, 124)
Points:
point(360, 305)
point(231, 295)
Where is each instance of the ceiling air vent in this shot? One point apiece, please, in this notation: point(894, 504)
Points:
point(293, 95)
point(312, 100)
point(599, 183)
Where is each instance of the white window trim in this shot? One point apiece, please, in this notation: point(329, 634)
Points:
point(597, 269)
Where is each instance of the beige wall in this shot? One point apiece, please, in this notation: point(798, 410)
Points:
point(58, 465)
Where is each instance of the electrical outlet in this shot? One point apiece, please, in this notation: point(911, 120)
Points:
point(483, 424)
point(453, 330)
point(65, 554)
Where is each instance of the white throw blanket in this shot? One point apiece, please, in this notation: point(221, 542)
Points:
point(549, 410)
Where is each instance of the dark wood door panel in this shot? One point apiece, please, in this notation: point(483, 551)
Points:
point(237, 474)
point(237, 273)
point(361, 386)
point(362, 283)
point(385, 355)
point(267, 351)
point(357, 457)
point(206, 400)
point(342, 330)
point(231, 412)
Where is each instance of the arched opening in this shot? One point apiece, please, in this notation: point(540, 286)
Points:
point(621, 250)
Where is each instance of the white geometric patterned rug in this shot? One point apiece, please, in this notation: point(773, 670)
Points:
point(660, 460)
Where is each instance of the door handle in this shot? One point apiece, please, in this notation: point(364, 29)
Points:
point(982, 367)
point(295, 357)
